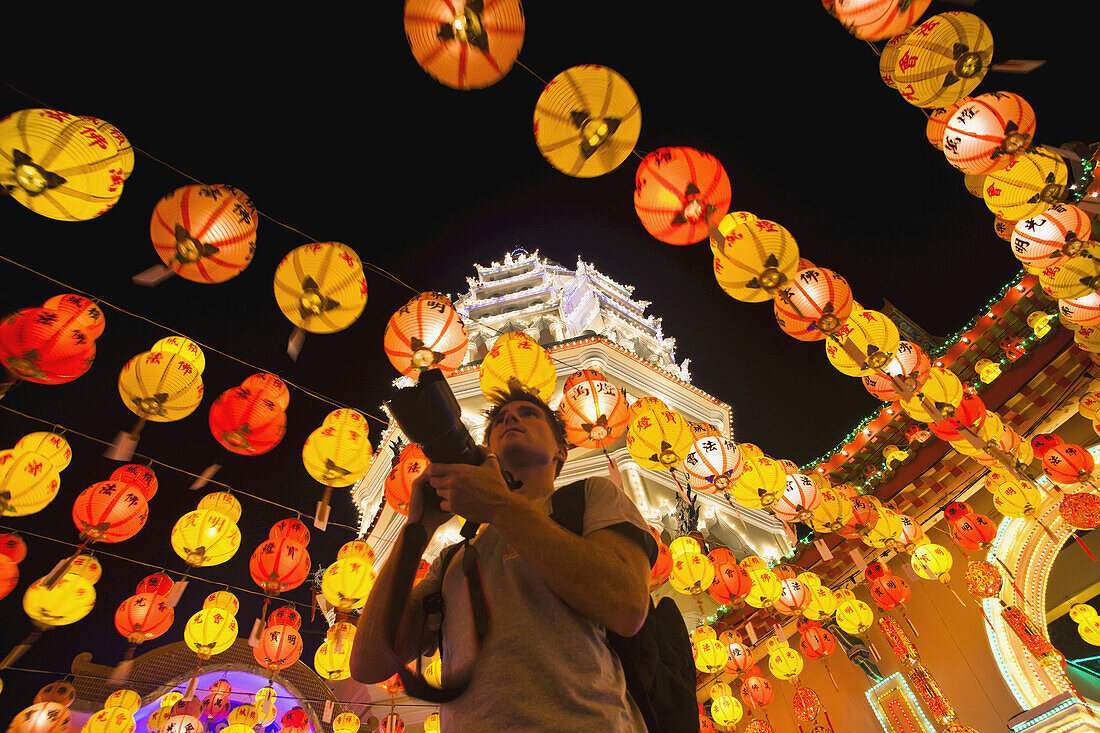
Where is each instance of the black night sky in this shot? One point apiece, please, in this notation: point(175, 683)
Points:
point(327, 123)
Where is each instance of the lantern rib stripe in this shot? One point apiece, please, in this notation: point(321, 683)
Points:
point(463, 58)
point(185, 209)
point(214, 216)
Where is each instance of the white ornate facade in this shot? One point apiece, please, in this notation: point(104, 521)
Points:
point(585, 320)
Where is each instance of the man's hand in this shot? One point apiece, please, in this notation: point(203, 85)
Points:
point(477, 493)
point(424, 504)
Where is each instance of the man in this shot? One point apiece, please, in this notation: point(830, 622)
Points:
point(544, 664)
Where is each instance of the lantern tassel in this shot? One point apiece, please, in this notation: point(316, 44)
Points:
point(831, 678)
point(1084, 547)
point(831, 728)
point(152, 276)
point(294, 344)
point(21, 648)
point(122, 670)
point(189, 693)
point(613, 470)
point(957, 597)
point(125, 443)
point(205, 476)
point(908, 622)
point(62, 567)
point(320, 517)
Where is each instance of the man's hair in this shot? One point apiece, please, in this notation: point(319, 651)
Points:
point(516, 393)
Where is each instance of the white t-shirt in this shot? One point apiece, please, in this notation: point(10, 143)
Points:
point(542, 666)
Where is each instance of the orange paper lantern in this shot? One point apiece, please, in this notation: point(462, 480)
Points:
point(680, 194)
point(426, 333)
point(594, 410)
point(205, 234)
point(39, 345)
point(465, 44)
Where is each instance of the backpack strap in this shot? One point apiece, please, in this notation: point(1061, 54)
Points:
point(567, 507)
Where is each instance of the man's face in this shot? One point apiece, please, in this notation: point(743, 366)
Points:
point(520, 434)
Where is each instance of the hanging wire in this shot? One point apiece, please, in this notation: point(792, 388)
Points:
point(184, 471)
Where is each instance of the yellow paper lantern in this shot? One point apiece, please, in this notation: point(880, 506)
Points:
point(160, 386)
point(765, 591)
point(346, 723)
point(692, 573)
point(28, 483)
point(185, 348)
point(158, 718)
point(1071, 277)
point(110, 720)
point(753, 565)
point(1027, 186)
point(431, 723)
point(265, 705)
point(888, 58)
point(339, 452)
point(224, 600)
point(222, 502)
point(129, 700)
point(719, 689)
point(587, 121)
point(86, 567)
point(41, 717)
point(205, 537)
point(822, 604)
point(874, 336)
point(761, 483)
point(785, 663)
point(658, 438)
point(333, 664)
point(932, 562)
point(347, 583)
point(1089, 629)
point(356, 548)
point(320, 287)
point(238, 727)
point(943, 59)
point(61, 166)
point(517, 360)
point(754, 258)
point(50, 445)
point(433, 673)
point(726, 710)
point(710, 656)
point(943, 389)
point(210, 631)
point(704, 631)
point(884, 532)
point(245, 714)
point(683, 544)
point(809, 579)
point(834, 511)
point(854, 616)
point(1081, 612)
point(70, 600)
point(1016, 498)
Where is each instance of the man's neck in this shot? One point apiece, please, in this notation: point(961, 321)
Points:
point(537, 481)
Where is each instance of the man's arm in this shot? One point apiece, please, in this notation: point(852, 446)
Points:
point(370, 659)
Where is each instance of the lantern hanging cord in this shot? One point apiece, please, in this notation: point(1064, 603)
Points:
point(152, 686)
point(100, 301)
point(218, 584)
point(184, 471)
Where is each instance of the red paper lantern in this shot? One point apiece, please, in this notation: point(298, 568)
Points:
point(247, 422)
point(158, 584)
point(877, 570)
point(1068, 464)
point(864, 516)
point(956, 510)
point(813, 304)
point(270, 386)
point(731, 582)
point(910, 364)
point(974, 532)
point(680, 194)
point(1043, 442)
point(757, 692)
point(594, 410)
point(295, 718)
point(279, 565)
point(426, 333)
point(984, 133)
point(406, 468)
point(293, 529)
point(969, 413)
point(138, 476)
point(9, 575)
point(78, 312)
point(143, 616)
point(817, 642)
point(110, 511)
point(463, 44)
point(13, 547)
point(805, 704)
point(279, 647)
point(285, 616)
point(889, 592)
point(662, 568)
point(206, 234)
point(39, 345)
point(877, 20)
